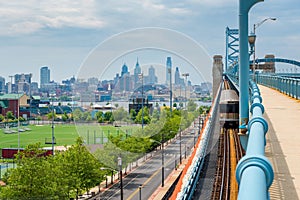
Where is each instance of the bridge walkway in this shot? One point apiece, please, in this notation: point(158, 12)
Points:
point(283, 142)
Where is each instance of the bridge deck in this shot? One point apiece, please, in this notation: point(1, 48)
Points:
point(283, 142)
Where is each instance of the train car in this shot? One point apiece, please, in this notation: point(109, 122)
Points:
point(229, 109)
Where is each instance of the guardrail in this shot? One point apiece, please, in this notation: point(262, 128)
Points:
point(254, 172)
point(191, 172)
point(286, 85)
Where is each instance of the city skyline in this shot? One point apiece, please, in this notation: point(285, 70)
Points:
point(61, 35)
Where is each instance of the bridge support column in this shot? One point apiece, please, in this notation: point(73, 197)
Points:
point(244, 7)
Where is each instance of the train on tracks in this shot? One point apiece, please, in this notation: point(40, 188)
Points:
point(229, 109)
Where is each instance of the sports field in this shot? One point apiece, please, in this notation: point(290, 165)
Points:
point(65, 134)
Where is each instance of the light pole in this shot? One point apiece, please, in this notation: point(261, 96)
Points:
point(18, 121)
point(170, 72)
point(186, 84)
point(252, 38)
point(52, 126)
point(180, 159)
point(121, 180)
point(142, 78)
point(140, 190)
point(162, 161)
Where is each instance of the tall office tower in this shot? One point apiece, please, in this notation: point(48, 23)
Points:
point(177, 76)
point(217, 72)
point(168, 70)
point(2, 84)
point(152, 79)
point(44, 76)
point(137, 71)
point(124, 70)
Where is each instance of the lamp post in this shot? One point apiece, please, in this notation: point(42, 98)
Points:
point(121, 180)
point(140, 191)
point(180, 159)
point(52, 125)
point(142, 79)
point(252, 38)
point(18, 102)
point(186, 84)
point(170, 72)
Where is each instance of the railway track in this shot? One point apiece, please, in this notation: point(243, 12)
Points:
point(229, 153)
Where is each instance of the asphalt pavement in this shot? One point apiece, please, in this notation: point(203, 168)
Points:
point(146, 178)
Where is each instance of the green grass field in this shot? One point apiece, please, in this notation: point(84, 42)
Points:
point(64, 134)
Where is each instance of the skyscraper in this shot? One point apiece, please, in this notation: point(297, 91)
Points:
point(44, 76)
point(124, 70)
point(2, 84)
point(168, 70)
point(137, 71)
point(178, 80)
point(152, 79)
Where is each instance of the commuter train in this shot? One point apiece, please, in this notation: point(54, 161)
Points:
point(229, 109)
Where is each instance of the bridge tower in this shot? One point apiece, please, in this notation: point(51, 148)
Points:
point(217, 72)
point(232, 47)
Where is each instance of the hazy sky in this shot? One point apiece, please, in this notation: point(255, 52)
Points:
point(61, 34)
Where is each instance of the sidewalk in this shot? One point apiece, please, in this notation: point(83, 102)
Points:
point(283, 139)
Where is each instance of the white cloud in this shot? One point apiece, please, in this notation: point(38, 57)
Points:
point(19, 18)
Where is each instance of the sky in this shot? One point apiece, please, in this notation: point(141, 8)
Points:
point(66, 34)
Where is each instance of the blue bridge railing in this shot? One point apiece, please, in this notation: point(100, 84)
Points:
point(254, 172)
point(286, 85)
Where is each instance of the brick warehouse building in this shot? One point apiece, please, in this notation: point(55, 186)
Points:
point(10, 102)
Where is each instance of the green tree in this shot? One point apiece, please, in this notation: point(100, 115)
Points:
point(77, 114)
point(132, 114)
point(32, 178)
point(81, 168)
point(50, 114)
point(108, 116)
point(191, 106)
point(146, 116)
point(1, 117)
point(120, 114)
point(65, 117)
point(10, 115)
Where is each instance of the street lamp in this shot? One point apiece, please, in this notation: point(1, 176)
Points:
point(52, 125)
point(171, 106)
point(121, 181)
point(142, 78)
point(251, 40)
point(186, 84)
point(140, 189)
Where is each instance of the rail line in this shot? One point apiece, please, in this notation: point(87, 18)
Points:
point(229, 153)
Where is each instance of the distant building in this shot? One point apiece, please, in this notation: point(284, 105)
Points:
point(168, 70)
point(137, 72)
point(178, 80)
point(16, 103)
point(138, 103)
point(23, 82)
point(151, 78)
point(124, 70)
point(44, 76)
point(2, 85)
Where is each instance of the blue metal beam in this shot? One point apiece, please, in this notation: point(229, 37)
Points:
point(244, 7)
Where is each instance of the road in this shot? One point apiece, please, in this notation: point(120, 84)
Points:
point(149, 175)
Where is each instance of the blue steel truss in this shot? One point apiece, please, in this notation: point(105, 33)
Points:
point(232, 47)
point(283, 60)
